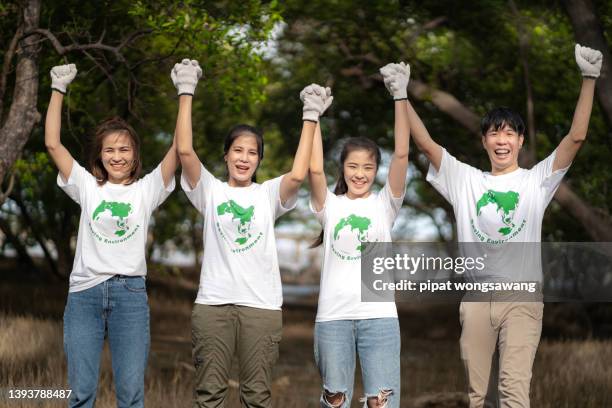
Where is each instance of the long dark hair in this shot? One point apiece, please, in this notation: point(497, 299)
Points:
point(105, 128)
point(351, 145)
point(238, 131)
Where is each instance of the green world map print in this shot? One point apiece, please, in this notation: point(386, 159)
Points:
point(503, 206)
point(242, 220)
point(349, 248)
point(110, 222)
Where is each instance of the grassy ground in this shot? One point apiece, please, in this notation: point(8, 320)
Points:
point(567, 373)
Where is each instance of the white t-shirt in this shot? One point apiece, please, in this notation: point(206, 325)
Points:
point(240, 262)
point(498, 209)
point(113, 225)
point(346, 225)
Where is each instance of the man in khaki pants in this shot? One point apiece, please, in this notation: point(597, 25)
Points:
point(513, 328)
point(496, 208)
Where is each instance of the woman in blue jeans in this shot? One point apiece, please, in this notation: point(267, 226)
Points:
point(350, 216)
point(107, 295)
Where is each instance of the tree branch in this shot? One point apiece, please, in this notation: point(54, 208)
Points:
point(4, 194)
point(37, 236)
point(6, 66)
point(430, 25)
point(98, 45)
point(599, 228)
point(588, 31)
point(447, 103)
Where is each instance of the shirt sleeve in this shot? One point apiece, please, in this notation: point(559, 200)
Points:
point(452, 177)
point(390, 203)
point(547, 179)
point(272, 188)
point(199, 195)
point(321, 216)
point(155, 192)
point(76, 185)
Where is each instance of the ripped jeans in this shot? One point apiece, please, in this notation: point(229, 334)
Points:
point(376, 341)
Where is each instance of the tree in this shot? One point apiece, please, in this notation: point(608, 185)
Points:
point(588, 30)
point(457, 76)
point(124, 52)
point(22, 114)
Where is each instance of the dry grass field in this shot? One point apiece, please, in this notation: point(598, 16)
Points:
point(568, 372)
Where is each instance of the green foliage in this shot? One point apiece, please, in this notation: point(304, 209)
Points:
point(226, 37)
point(468, 49)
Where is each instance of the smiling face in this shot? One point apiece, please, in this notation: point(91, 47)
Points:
point(503, 146)
point(117, 156)
point(359, 172)
point(242, 160)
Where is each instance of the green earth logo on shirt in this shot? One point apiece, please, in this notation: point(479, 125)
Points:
point(110, 222)
point(242, 218)
point(495, 211)
point(350, 247)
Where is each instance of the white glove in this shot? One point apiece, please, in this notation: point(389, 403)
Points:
point(62, 76)
point(328, 99)
point(589, 61)
point(185, 76)
point(316, 100)
point(396, 78)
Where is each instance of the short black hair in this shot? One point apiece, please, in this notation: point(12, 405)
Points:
point(499, 117)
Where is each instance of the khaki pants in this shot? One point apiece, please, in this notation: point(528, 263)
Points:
point(219, 332)
point(498, 345)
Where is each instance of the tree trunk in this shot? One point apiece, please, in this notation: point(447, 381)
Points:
point(22, 115)
point(64, 258)
point(598, 227)
point(589, 32)
point(40, 239)
point(22, 252)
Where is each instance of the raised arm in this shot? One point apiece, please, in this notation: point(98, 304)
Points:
point(170, 162)
point(316, 173)
point(185, 76)
point(589, 61)
point(392, 74)
point(292, 181)
point(399, 162)
point(61, 76)
point(316, 99)
point(423, 140)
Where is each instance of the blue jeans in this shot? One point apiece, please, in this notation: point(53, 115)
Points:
point(376, 341)
point(118, 309)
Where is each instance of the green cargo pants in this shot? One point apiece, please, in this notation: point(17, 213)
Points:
point(220, 332)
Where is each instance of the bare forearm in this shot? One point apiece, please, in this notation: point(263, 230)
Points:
point(316, 157)
point(291, 183)
point(184, 141)
point(399, 162)
point(570, 144)
point(169, 163)
point(303, 154)
point(423, 140)
point(318, 182)
point(582, 114)
point(401, 130)
point(53, 121)
point(184, 135)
